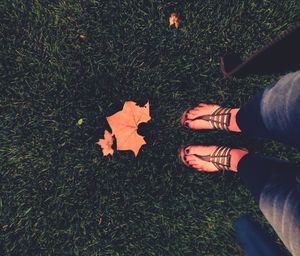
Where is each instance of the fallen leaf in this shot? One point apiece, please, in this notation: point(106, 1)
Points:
point(124, 125)
point(82, 37)
point(100, 219)
point(80, 122)
point(173, 20)
point(106, 143)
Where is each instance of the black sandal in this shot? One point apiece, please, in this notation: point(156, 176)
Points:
point(220, 158)
point(219, 119)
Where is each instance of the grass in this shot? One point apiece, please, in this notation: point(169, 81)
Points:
point(59, 195)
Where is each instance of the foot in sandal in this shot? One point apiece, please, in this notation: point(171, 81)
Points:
point(212, 158)
point(210, 116)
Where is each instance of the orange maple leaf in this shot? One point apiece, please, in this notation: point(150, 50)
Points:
point(173, 20)
point(106, 143)
point(124, 125)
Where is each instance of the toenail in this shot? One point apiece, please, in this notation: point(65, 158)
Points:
point(187, 150)
point(186, 124)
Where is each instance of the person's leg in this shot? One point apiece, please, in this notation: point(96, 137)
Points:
point(280, 55)
point(272, 113)
point(254, 240)
point(275, 112)
point(276, 186)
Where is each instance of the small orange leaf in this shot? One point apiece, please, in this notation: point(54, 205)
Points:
point(82, 37)
point(173, 20)
point(106, 143)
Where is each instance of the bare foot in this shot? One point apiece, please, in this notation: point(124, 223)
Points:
point(190, 157)
point(206, 109)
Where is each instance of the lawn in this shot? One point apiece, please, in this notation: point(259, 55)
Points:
point(59, 195)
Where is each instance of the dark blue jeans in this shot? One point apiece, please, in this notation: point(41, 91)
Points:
point(254, 240)
point(275, 113)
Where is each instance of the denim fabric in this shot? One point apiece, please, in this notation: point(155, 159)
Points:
point(275, 113)
point(280, 204)
point(253, 239)
point(280, 109)
point(274, 185)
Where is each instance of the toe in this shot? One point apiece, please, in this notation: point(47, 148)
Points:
point(195, 150)
point(200, 150)
point(194, 111)
point(187, 150)
point(198, 167)
point(184, 116)
point(189, 116)
point(191, 162)
point(199, 124)
point(182, 156)
point(187, 123)
point(191, 158)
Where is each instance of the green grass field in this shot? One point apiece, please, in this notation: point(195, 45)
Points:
point(59, 195)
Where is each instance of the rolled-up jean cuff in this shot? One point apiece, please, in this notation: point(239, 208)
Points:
point(249, 118)
point(253, 177)
point(256, 170)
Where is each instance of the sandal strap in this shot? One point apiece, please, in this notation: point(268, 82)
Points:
point(220, 158)
point(219, 119)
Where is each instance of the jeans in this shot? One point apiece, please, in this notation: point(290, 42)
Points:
point(275, 113)
point(254, 240)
